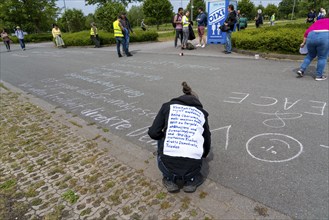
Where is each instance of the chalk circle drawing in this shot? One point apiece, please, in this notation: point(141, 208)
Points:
point(278, 121)
point(274, 147)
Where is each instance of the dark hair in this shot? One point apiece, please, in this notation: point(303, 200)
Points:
point(200, 8)
point(186, 89)
point(180, 9)
point(231, 7)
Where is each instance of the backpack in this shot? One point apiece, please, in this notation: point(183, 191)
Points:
point(173, 20)
point(190, 46)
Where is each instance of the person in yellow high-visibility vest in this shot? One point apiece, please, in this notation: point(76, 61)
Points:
point(272, 20)
point(94, 35)
point(119, 37)
point(186, 23)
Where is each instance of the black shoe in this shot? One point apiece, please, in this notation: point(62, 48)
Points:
point(119, 55)
point(191, 185)
point(129, 55)
point(227, 52)
point(170, 185)
point(300, 73)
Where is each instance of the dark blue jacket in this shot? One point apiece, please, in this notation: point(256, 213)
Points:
point(202, 19)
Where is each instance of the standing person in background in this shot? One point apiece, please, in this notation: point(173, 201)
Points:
point(202, 23)
point(186, 31)
point(316, 38)
point(127, 29)
point(143, 25)
point(243, 22)
point(182, 130)
point(310, 17)
point(6, 40)
point(94, 35)
point(259, 18)
point(179, 26)
point(57, 35)
point(119, 37)
point(322, 14)
point(20, 35)
point(230, 22)
point(272, 19)
point(238, 16)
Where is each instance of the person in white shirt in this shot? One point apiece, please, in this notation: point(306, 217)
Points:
point(20, 35)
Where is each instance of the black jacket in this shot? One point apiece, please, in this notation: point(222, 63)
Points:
point(179, 165)
point(231, 20)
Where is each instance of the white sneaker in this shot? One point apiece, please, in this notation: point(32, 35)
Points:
point(320, 78)
point(198, 45)
point(203, 46)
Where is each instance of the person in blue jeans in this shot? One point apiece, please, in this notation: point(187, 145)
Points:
point(230, 22)
point(119, 37)
point(20, 35)
point(127, 29)
point(316, 38)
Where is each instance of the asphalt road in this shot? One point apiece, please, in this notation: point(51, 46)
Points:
point(269, 128)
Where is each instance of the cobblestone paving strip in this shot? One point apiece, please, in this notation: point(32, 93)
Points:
point(48, 172)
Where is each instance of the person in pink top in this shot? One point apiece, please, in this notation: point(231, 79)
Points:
point(316, 38)
point(179, 26)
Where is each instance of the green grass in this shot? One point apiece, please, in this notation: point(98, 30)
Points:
point(8, 184)
point(70, 196)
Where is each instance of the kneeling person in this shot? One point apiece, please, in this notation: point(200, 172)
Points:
point(182, 130)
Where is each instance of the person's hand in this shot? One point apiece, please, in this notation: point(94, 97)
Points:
point(302, 45)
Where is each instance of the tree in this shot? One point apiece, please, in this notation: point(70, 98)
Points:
point(89, 19)
point(286, 6)
point(106, 14)
point(32, 16)
point(72, 20)
point(305, 6)
point(261, 7)
point(135, 15)
point(270, 9)
point(103, 2)
point(196, 5)
point(158, 9)
point(248, 8)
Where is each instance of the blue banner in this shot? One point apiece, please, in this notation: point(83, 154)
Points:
point(216, 16)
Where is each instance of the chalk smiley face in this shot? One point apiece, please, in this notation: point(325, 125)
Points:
point(273, 147)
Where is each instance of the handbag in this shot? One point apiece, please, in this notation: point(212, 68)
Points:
point(191, 35)
point(224, 28)
point(303, 50)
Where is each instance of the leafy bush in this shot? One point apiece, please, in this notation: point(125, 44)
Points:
point(34, 38)
point(278, 39)
point(83, 38)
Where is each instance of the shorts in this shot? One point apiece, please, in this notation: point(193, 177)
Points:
point(200, 31)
